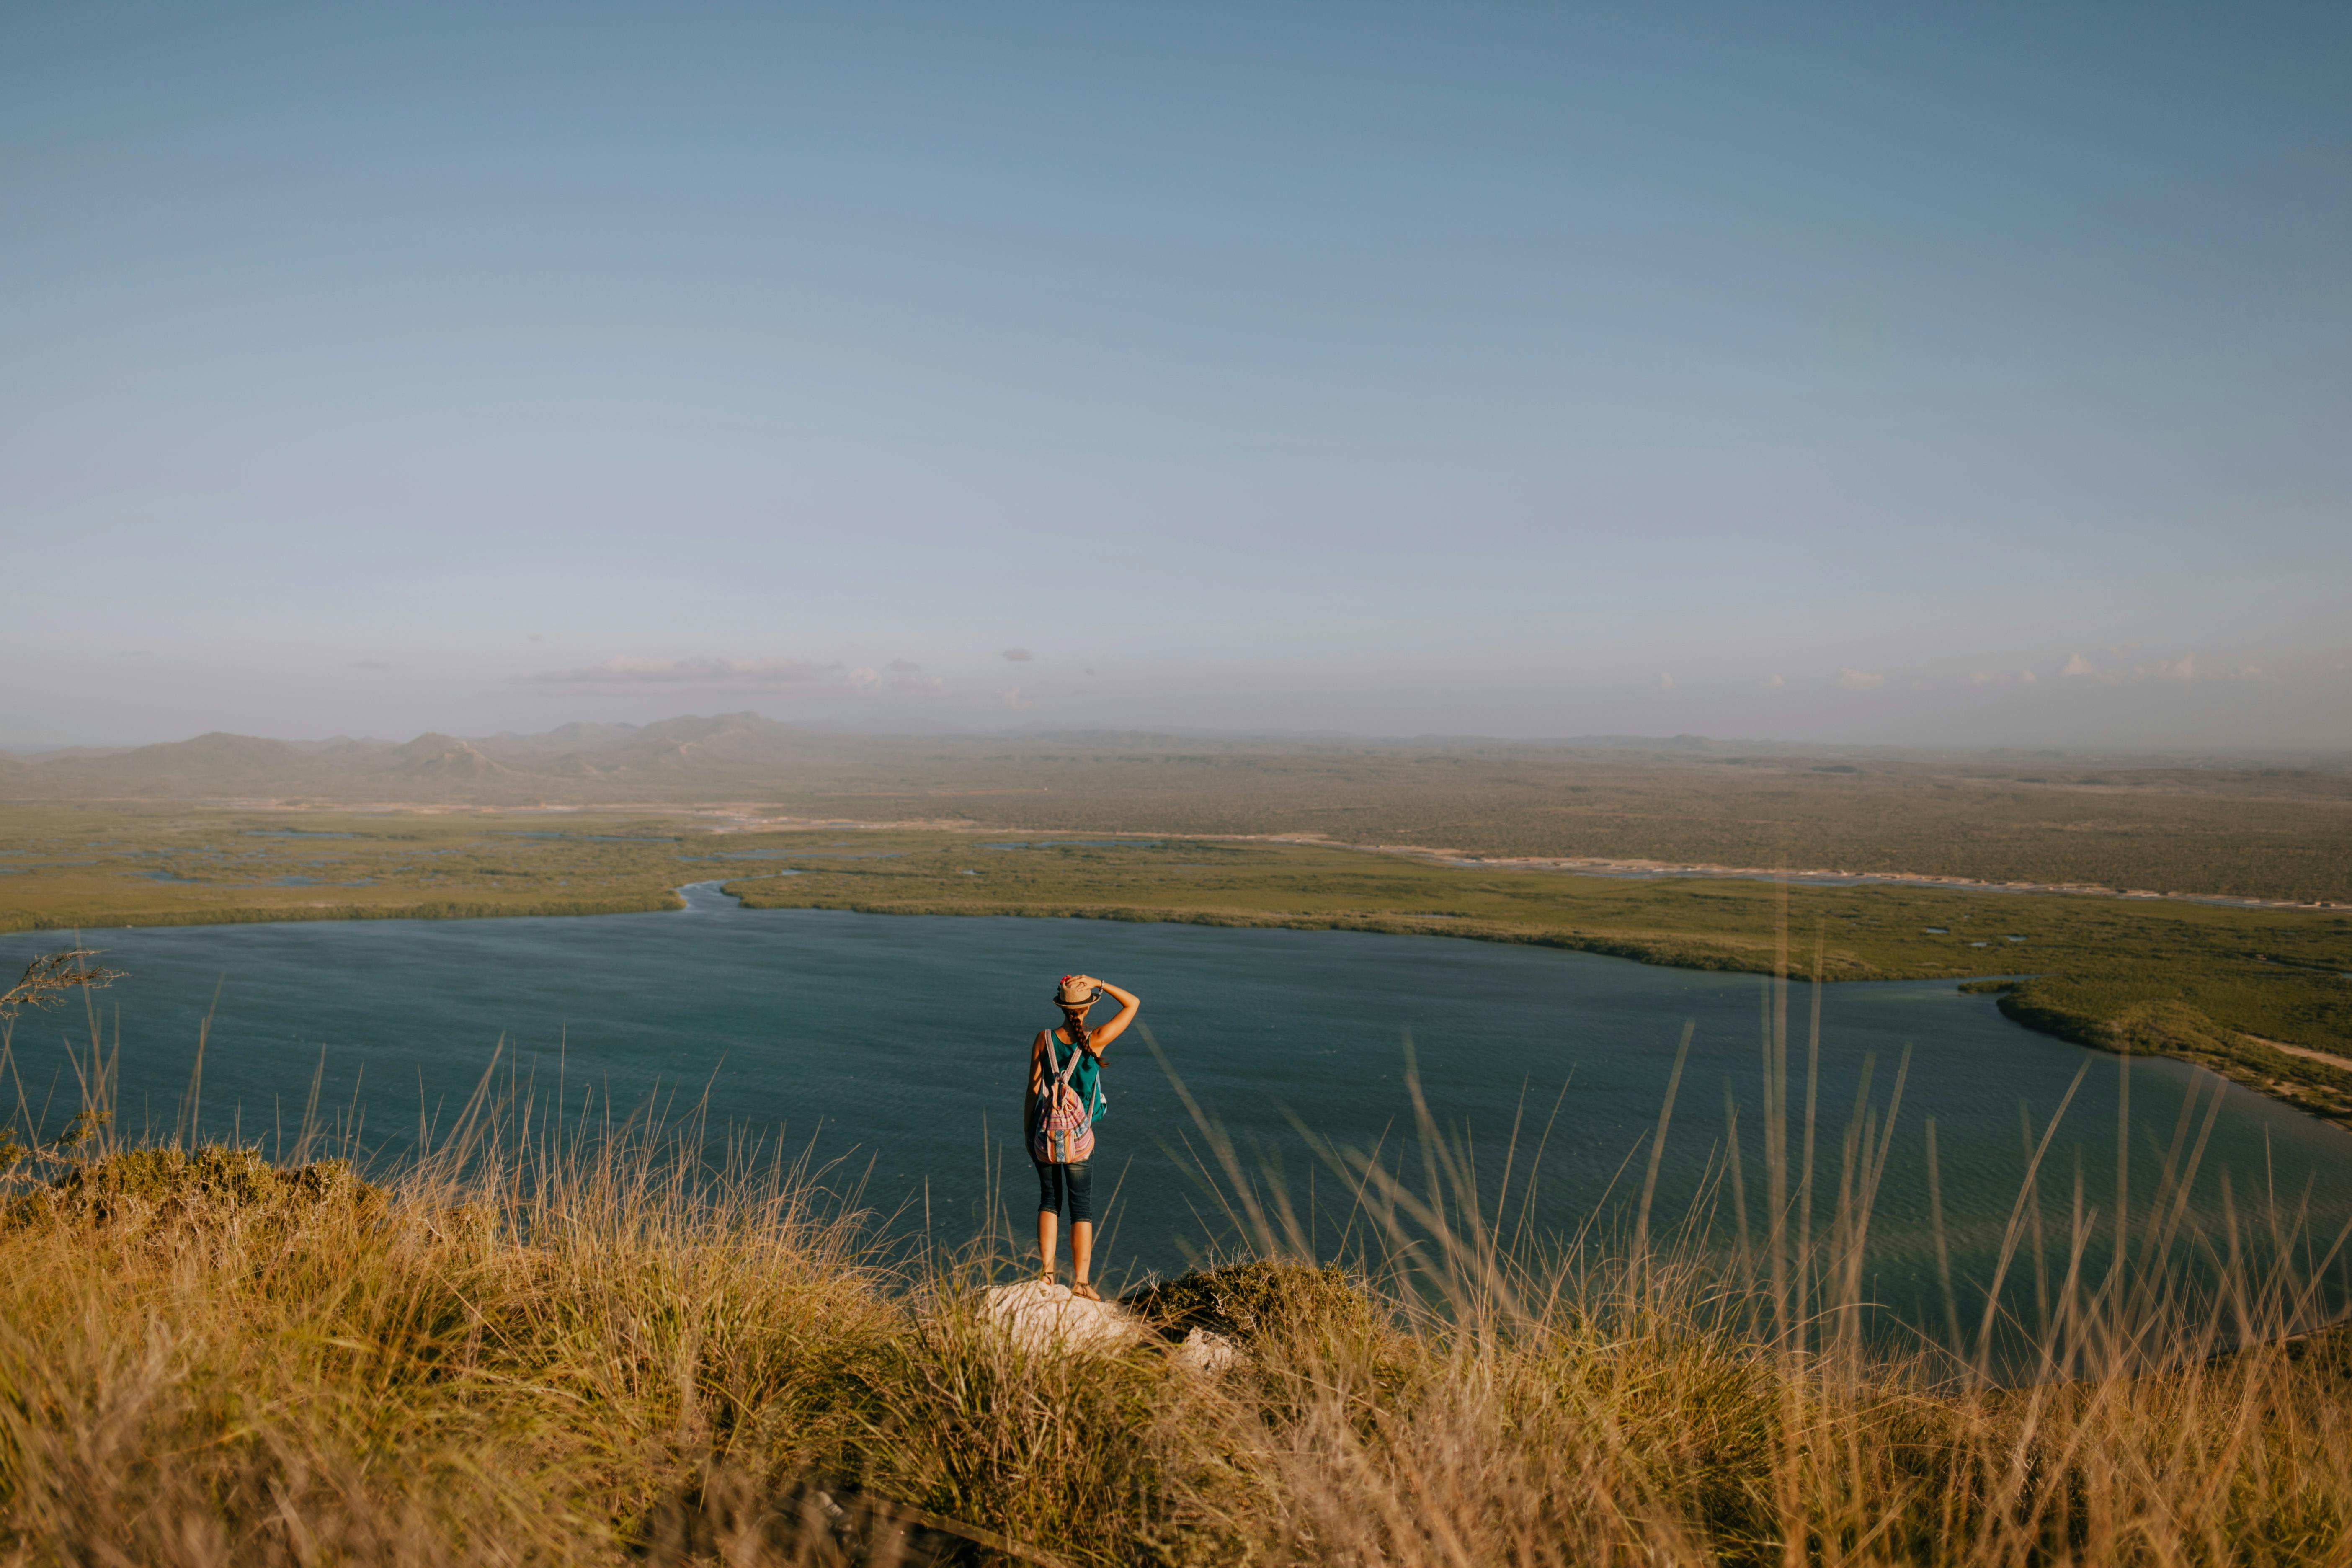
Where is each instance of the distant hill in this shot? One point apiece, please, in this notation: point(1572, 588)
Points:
point(209, 765)
point(724, 756)
point(677, 758)
point(564, 740)
point(444, 756)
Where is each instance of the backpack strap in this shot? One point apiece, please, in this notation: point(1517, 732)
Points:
point(1060, 1076)
point(1094, 1089)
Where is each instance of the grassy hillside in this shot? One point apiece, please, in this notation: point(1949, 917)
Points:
point(2227, 987)
point(605, 1355)
point(2282, 831)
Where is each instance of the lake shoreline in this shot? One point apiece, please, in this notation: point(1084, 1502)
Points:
point(2205, 979)
point(2076, 1030)
point(2256, 1068)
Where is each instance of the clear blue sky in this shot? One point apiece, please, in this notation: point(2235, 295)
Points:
point(1748, 370)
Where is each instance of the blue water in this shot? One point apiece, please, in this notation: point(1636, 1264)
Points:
point(899, 1046)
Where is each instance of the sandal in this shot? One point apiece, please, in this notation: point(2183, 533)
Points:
point(1085, 1292)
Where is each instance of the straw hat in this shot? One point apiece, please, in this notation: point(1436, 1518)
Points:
point(1076, 991)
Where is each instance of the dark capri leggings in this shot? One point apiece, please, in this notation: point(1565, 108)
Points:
point(1077, 1180)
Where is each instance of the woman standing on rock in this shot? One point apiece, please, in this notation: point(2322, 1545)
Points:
point(1059, 1112)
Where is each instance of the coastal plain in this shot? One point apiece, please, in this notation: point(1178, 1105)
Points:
point(2261, 994)
point(2275, 828)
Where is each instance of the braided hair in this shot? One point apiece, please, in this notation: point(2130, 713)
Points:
point(1073, 1020)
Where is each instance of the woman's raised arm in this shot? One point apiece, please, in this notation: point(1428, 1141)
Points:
point(1129, 1003)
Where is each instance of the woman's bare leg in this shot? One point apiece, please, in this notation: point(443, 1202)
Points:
point(1082, 1248)
point(1048, 1222)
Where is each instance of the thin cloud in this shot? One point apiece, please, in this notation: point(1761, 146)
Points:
point(373, 664)
point(1665, 681)
point(1017, 654)
point(1860, 680)
point(2078, 665)
point(1776, 683)
point(690, 672)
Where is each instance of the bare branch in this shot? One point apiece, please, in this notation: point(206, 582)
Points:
point(50, 976)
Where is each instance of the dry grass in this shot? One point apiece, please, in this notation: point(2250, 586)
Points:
point(547, 1346)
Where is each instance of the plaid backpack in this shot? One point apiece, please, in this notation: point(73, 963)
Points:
point(1066, 1132)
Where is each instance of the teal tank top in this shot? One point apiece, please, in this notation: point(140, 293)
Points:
point(1085, 1078)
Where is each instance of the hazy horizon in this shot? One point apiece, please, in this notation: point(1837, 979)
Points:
point(1013, 730)
point(1968, 380)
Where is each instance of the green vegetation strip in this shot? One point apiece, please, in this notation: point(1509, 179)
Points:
point(2261, 995)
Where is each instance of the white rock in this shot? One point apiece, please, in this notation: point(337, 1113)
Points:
point(1040, 1315)
point(1204, 1352)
